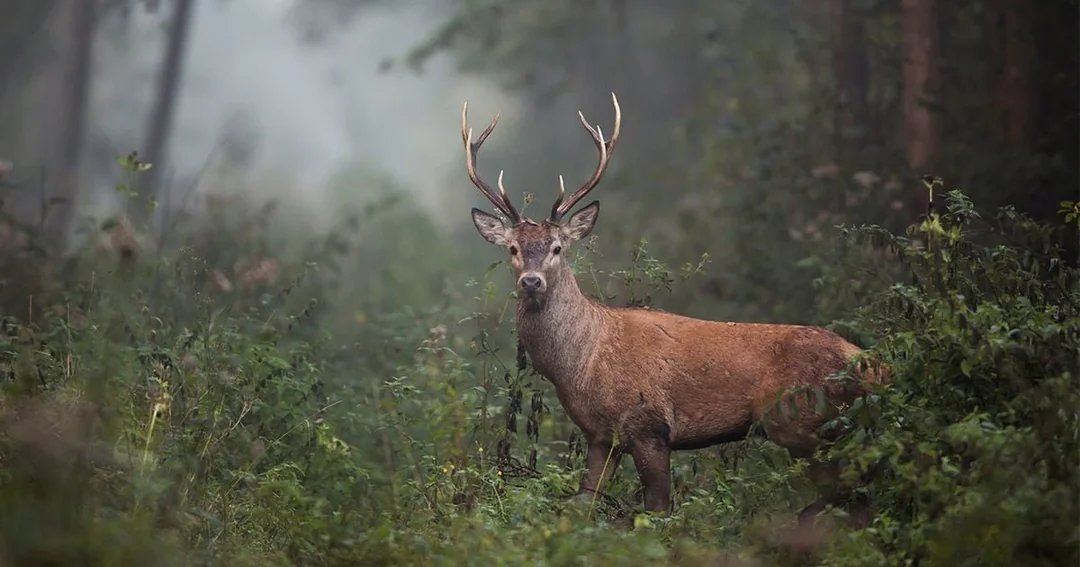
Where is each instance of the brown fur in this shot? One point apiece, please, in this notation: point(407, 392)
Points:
point(646, 383)
point(661, 382)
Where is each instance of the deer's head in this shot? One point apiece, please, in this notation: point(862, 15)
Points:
point(537, 249)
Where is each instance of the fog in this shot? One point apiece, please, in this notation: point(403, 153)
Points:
point(341, 381)
point(302, 111)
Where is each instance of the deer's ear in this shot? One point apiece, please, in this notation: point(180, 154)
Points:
point(490, 227)
point(581, 224)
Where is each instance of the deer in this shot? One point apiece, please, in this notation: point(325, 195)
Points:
point(644, 382)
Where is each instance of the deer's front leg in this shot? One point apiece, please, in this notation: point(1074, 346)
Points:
point(601, 460)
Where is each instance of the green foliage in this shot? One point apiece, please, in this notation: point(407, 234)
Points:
point(177, 407)
point(259, 392)
point(738, 129)
point(193, 409)
point(1071, 210)
point(973, 449)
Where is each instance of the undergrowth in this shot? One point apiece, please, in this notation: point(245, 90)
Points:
point(192, 409)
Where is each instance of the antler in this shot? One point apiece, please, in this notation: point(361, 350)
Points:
point(499, 199)
point(560, 208)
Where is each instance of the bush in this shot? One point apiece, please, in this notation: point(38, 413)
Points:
point(972, 452)
point(192, 409)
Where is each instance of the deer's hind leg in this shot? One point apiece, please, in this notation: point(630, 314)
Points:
point(648, 437)
point(645, 432)
point(652, 459)
point(824, 474)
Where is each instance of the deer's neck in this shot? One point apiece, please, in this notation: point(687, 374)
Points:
point(561, 335)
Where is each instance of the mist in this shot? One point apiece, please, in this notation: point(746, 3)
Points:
point(826, 311)
point(301, 112)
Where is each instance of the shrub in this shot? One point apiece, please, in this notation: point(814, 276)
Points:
point(972, 451)
point(181, 410)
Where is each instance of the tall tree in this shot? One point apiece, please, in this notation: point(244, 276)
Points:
point(1014, 93)
point(22, 23)
point(921, 46)
point(76, 95)
point(155, 150)
point(851, 72)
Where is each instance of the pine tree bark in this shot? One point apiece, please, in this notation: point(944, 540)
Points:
point(851, 73)
point(23, 22)
point(155, 151)
point(921, 45)
point(1014, 93)
point(65, 181)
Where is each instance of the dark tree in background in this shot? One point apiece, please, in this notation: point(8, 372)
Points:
point(64, 185)
point(922, 83)
point(25, 47)
point(1015, 88)
point(726, 105)
point(851, 73)
point(161, 117)
point(20, 29)
point(755, 125)
point(302, 373)
point(53, 43)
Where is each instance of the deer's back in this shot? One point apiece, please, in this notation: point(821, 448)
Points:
point(706, 380)
point(683, 347)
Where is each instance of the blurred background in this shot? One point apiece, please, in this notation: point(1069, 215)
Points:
point(298, 169)
point(750, 128)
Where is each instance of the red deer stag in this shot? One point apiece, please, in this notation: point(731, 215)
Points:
point(657, 382)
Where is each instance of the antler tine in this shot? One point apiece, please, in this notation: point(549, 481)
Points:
point(502, 190)
point(605, 149)
point(499, 199)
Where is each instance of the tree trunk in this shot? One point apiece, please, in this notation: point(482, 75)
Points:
point(65, 183)
point(1015, 90)
point(157, 137)
point(851, 73)
point(919, 99)
point(20, 29)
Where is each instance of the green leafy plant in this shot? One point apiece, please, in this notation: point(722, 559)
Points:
point(193, 408)
point(971, 452)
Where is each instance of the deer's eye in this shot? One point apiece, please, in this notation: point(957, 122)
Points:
point(513, 250)
point(557, 250)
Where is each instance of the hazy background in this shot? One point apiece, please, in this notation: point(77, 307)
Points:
point(303, 112)
point(750, 129)
point(286, 344)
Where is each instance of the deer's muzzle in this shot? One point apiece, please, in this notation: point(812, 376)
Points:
point(532, 283)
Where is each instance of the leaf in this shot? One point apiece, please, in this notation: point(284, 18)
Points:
point(642, 521)
point(965, 367)
point(820, 405)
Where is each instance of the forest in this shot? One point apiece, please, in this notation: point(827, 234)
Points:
point(246, 317)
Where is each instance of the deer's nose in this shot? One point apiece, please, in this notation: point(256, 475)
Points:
point(530, 283)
